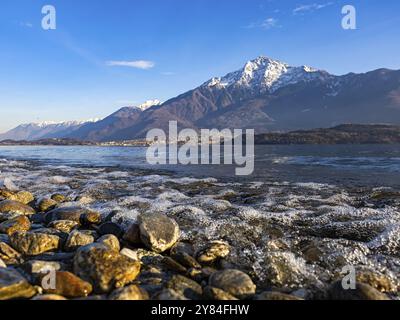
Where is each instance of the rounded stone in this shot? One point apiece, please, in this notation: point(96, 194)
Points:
point(132, 293)
point(111, 228)
point(362, 292)
point(58, 198)
point(15, 207)
point(20, 223)
point(32, 244)
point(186, 287)
point(110, 241)
point(69, 285)
point(24, 197)
point(212, 293)
point(46, 205)
point(132, 235)
point(64, 225)
point(76, 214)
point(78, 239)
point(235, 282)
point(158, 232)
point(105, 269)
point(213, 251)
point(14, 286)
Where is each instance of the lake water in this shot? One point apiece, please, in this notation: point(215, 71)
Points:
point(337, 164)
point(343, 201)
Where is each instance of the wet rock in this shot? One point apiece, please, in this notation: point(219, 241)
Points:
point(111, 228)
point(132, 235)
point(49, 297)
point(169, 295)
point(377, 280)
point(70, 286)
point(15, 207)
point(2, 264)
point(78, 239)
point(46, 205)
point(183, 253)
point(285, 270)
point(64, 225)
point(110, 241)
point(201, 274)
point(274, 295)
point(56, 256)
point(14, 286)
point(362, 292)
point(20, 223)
point(9, 255)
point(105, 269)
point(182, 247)
point(235, 282)
point(173, 265)
point(24, 197)
point(186, 287)
point(158, 232)
point(32, 244)
point(212, 252)
point(76, 214)
point(211, 293)
point(132, 293)
point(131, 254)
point(58, 198)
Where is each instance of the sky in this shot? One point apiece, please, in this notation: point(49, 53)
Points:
point(112, 53)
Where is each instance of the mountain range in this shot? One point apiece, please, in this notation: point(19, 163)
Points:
point(266, 95)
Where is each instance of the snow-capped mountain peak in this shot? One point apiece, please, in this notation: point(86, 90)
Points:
point(264, 74)
point(148, 104)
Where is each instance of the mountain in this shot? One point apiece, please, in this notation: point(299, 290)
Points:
point(48, 129)
point(343, 134)
point(269, 95)
point(266, 95)
point(108, 128)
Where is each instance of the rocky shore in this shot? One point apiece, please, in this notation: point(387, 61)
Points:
point(91, 256)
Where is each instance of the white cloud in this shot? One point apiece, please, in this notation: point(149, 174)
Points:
point(138, 64)
point(269, 23)
point(310, 7)
point(26, 24)
point(266, 24)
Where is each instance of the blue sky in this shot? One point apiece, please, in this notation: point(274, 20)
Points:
point(111, 53)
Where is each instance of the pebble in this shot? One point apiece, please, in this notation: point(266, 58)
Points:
point(110, 241)
point(45, 205)
point(362, 292)
point(64, 225)
point(14, 286)
point(15, 207)
point(132, 293)
point(111, 228)
point(213, 251)
point(132, 235)
point(70, 286)
point(212, 293)
point(20, 223)
point(105, 269)
point(158, 232)
point(235, 282)
point(32, 244)
point(78, 239)
point(186, 287)
point(8, 254)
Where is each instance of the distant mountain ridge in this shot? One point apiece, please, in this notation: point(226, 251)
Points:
point(266, 95)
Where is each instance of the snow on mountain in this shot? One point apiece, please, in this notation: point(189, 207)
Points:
point(45, 129)
point(265, 74)
point(148, 104)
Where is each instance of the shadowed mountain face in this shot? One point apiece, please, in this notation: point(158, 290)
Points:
point(265, 95)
